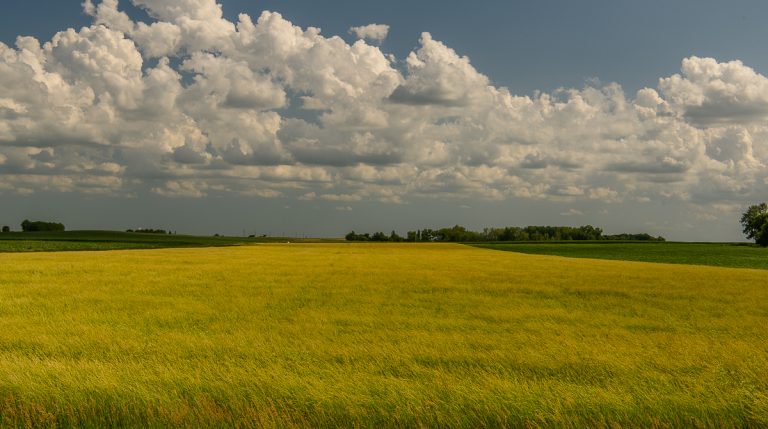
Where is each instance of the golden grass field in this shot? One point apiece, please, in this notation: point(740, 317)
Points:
point(365, 335)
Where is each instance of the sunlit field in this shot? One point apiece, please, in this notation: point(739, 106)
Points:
point(328, 335)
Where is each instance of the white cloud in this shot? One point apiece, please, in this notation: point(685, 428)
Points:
point(438, 76)
point(374, 32)
point(340, 197)
point(572, 212)
point(263, 193)
point(265, 108)
point(604, 194)
point(711, 93)
point(176, 188)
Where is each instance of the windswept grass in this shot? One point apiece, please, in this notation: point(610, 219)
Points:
point(377, 336)
point(734, 255)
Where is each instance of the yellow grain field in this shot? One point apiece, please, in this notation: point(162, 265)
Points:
point(377, 336)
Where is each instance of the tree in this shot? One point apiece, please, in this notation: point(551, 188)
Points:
point(755, 223)
point(352, 236)
point(38, 226)
point(6, 229)
point(379, 236)
point(149, 231)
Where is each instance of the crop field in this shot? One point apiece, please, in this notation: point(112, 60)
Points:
point(113, 240)
point(734, 255)
point(388, 335)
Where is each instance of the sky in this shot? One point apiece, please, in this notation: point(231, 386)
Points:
point(307, 118)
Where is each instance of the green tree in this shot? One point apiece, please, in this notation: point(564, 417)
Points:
point(379, 236)
point(38, 226)
point(755, 223)
point(6, 229)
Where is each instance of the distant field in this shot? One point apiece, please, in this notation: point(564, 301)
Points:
point(112, 240)
point(366, 335)
point(736, 255)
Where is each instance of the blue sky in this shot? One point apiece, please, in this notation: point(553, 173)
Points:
point(525, 45)
point(404, 132)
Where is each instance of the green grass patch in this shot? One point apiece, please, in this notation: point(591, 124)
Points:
point(113, 240)
point(735, 255)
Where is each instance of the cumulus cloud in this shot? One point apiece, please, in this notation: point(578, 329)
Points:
point(373, 32)
point(191, 104)
point(438, 76)
point(712, 93)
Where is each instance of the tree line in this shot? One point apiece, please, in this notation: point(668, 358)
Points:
point(39, 226)
point(461, 234)
point(149, 231)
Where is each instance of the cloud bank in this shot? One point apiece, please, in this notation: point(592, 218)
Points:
point(191, 105)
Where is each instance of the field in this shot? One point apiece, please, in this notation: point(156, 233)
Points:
point(365, 335)
point(735, 255)
point(112, 240)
